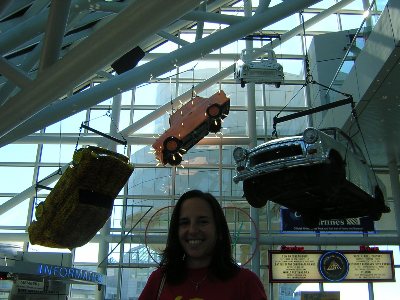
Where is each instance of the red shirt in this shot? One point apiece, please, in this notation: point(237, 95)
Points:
point(245, 285)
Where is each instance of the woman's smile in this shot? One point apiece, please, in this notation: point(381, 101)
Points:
point(197, 232)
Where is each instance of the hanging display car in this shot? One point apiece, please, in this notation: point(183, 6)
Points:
point(189, 124)
point(82, 200)
point(264, 70)
point(320, 174)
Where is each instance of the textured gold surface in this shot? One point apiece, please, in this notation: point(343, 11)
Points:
point(67, 219)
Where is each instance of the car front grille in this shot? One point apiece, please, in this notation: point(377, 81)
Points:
point(260, 72)
point(276, 153)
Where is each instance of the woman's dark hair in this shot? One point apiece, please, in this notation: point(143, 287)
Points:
point(222, 264)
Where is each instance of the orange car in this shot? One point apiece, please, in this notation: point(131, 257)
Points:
point(189, 124)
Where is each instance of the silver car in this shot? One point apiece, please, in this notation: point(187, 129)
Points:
point(265, 70)
point(320, 174)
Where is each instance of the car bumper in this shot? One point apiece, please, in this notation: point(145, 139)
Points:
point(272, 167)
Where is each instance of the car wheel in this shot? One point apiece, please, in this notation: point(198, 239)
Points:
point(252, 197)
point(215, 125)
point(172, 144)
point(336, 174)
point(214, 111)
point(278, 85)
point(242, 83)
point(174, 159)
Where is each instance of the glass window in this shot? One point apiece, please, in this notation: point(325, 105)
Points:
point(349, 290)
point(351, 21)
point(16, 216)
point(285, 24)
point(386, 290)
point(16, 152)
point(327, 24)
point(86, 253)
point(53, 153)
point(15, 179)
point(70, 124)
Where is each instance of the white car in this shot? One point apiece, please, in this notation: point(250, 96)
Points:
point(320, 174)
point(264, 70)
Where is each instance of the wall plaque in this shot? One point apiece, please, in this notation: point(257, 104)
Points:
point(331, 266)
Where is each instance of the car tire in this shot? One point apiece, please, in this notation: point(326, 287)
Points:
point(214, 111)
point(336, 172)
point(215, 125)
point(174, 159)
point(171, 150)
point(242, 83)
point(249, 189)
point(278, 85)
point(172, 144)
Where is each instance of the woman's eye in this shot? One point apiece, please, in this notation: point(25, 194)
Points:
point(183, 222)
point(204, 222)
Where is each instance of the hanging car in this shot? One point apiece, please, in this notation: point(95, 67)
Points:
point(189, 124)
point(82, 200)
point(320, 174)
point(263, 70)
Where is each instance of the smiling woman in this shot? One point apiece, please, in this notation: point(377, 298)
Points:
point(197, 261)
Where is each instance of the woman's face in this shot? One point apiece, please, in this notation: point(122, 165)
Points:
point(197, 232)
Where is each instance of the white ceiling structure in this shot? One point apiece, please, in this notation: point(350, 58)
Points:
point(48, 52)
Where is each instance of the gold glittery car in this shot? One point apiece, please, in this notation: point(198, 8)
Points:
point(82, 200)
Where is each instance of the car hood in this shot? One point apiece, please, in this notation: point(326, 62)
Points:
point(278, 141)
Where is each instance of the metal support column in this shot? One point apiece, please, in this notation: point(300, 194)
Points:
point(252, 127)
point(105, 231)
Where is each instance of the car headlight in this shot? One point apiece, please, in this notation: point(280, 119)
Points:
point(239, 154)
point(310, 135)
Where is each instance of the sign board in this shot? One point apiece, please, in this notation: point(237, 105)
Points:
point(331, 266)
point(58, 272)
point(30, 285)
point(292, 221)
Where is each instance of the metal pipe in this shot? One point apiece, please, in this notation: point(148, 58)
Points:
point(53, 37)
point(262, 6)
point(172, 38)
point(14, 74)
point(212, 17)
point(9, 87)
point(200, 24)
point(252, 128)
point(105, 230)
point(23, 32)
